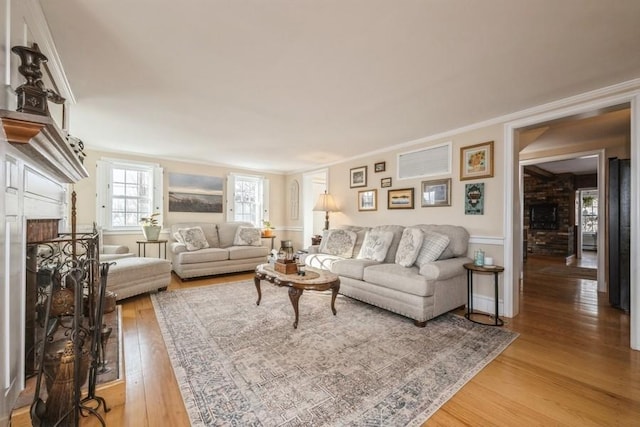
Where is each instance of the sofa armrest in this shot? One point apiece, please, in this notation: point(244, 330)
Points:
point(443, 269)
point(114, 249)
point(177, 247)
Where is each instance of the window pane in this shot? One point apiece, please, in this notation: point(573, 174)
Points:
point(118, 189)
point(117, 219)
point(118, 175)
point(117, 205)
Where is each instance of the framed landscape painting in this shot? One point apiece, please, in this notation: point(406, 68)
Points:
point(368, 200)
point(476, 161)
point(436, 192)
point(358, 177)
point(400, 199)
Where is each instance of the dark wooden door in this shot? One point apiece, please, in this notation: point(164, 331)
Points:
point(619, 233)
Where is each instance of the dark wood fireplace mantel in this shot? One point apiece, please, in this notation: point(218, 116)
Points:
point(39, 138)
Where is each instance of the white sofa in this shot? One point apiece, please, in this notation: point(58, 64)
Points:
point(226, 251)
point(420, 290)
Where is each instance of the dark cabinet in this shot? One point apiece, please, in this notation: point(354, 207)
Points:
point(619, 233)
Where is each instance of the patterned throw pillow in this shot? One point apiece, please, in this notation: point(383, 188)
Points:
point(193, 238)
point(433, 246)
point(247, 236)
point(376, 244)
point(338, 242)
point(409, 247)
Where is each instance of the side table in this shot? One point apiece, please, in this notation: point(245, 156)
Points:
point(272, 237)
point(142, 244)
point(471, 268)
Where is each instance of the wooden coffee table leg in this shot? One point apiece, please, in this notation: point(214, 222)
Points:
point(256, 280)
point(334, 293)
point(294, 296)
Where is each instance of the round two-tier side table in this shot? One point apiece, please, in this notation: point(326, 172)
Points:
point(483, 269)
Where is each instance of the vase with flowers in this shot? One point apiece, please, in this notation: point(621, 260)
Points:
point(151, 227)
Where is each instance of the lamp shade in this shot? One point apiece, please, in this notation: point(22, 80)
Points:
point(325, 203)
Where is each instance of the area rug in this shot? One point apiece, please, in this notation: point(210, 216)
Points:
point(570, 272)
point(241, 364)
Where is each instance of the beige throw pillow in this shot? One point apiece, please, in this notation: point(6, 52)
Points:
point(376, 244)
point(409, 247)
point(193, 238)
point(338, 242)
point(433, 246)
point(247, 236)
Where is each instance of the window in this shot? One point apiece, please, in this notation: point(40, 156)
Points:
point(590, 211)
point(127, 191)
point(430, 161)
point(247, 199)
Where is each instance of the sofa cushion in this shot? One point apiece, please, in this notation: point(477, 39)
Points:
point(376, 244)
point(409, 247)
point(361, 232)
point(193, 238)
point(397, 277)
point(247, 236)
point(209, 228)
point(433, 245)
point(203, 255)
point(227, 232)
point(338, 242)
point(246, 252)
point(458, 238)
point(397, 235)
point(353, 268)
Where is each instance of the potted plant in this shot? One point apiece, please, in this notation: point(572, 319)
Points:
point(267, 229)
point(150, 227)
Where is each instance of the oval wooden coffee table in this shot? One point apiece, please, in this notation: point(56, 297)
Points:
point(314, 280)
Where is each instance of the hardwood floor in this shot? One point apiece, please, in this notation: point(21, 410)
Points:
point(571, 364)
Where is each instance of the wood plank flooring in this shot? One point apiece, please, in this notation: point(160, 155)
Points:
point(571, 364)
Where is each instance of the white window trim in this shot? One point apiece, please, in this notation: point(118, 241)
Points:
point(103, 181)
point(231, 185)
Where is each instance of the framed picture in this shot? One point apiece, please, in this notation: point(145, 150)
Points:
point(474, 199)
point(368, 200)
point(380, 167)
point(476, 161)
point(358, 177)
point(436, 192)
point(400, 199)
point(385, 182)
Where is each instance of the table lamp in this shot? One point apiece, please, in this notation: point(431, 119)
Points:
point(326, 204)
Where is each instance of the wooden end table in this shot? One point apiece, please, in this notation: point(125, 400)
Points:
point(471, 268)
point(314, 280)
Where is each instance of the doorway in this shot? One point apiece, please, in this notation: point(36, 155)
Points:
point(313, 184)
point(586, 106)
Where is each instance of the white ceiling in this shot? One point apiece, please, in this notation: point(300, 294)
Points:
point(284, 85)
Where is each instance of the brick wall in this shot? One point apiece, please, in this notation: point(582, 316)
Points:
point(559, 190)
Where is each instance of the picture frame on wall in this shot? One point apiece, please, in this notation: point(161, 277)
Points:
point(368, 200)
point(380, 167)
point(474, 199)
point(400, 199)
point(385, 182)
point(358, 177)
point(476, 161)
point(436, 192)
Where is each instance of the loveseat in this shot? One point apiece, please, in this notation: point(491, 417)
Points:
point(203, 249)
point(415, 271)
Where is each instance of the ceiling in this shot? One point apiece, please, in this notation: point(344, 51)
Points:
point(284, 85)
point(605, 128)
